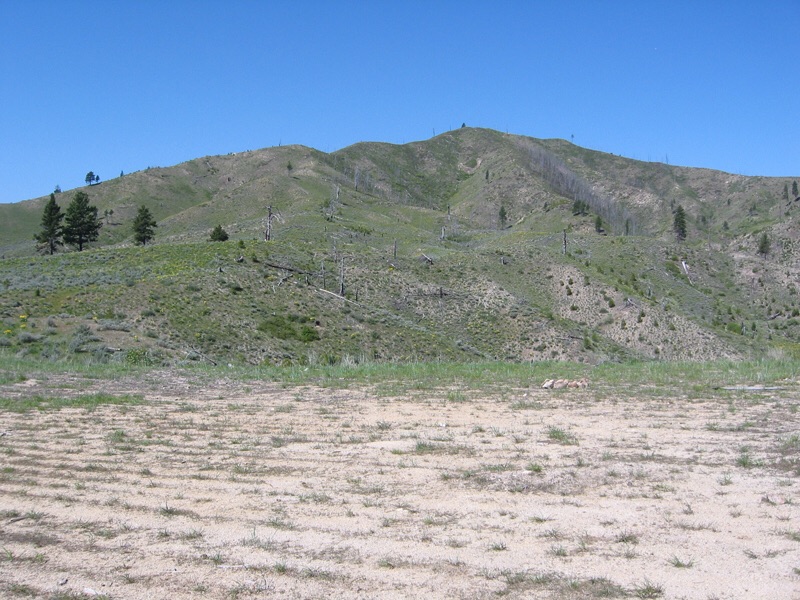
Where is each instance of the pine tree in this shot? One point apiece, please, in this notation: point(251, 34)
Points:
point(580, 208)
point(503, 216)
point(219, 234)
point(82, 223)
point(764, 245)
point(794, 188)
point(143, 226)
point(52, 229)
point(679, 224)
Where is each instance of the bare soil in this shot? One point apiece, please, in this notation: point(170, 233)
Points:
point(257, 490)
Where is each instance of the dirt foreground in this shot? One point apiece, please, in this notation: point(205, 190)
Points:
point(254, 490)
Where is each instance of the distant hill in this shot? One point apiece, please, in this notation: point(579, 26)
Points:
point(448, 248)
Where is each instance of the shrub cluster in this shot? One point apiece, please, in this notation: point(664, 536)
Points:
point(291, 327)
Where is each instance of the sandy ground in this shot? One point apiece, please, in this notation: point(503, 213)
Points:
point(234, 490)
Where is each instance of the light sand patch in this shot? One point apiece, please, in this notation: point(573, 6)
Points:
point(232, 490)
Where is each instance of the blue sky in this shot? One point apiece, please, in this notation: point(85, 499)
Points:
point(114, 86)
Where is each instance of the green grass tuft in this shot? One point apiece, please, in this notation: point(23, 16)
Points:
point(89, 402)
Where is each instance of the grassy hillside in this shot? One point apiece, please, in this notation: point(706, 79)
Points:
point(413, 234)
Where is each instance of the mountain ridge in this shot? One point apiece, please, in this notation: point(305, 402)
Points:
point(474, 243)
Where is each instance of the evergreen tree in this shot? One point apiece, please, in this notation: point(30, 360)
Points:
point(89, 179)
point(598, 224)
point(82, 223)
point(764, 245)
point(679, 224)
point(52, 229)
point(503, 216)
point(580, 208)
point(794, 188)
point(219, 234)
point(143, 226)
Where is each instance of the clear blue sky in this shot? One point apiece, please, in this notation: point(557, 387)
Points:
point(114, 86)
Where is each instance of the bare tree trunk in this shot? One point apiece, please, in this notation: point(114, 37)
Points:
point(341, 278)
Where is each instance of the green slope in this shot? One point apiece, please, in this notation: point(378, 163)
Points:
point(428, 271)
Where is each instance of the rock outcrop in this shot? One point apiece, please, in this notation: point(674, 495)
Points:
point(557, 384)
